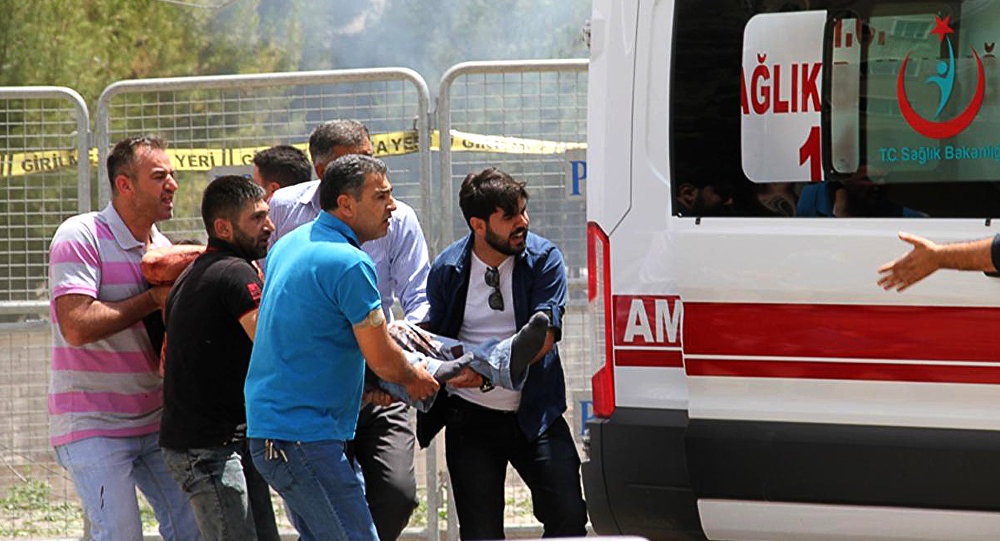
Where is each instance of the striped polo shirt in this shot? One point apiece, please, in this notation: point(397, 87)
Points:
point(111, 387)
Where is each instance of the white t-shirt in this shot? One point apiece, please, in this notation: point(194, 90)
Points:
point(482, 323)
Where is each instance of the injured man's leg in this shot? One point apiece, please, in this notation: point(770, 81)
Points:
point(503, 362)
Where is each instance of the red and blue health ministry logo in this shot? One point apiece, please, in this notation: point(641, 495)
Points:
point(944, 80)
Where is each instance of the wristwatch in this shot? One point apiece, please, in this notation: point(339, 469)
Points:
point(486, 386)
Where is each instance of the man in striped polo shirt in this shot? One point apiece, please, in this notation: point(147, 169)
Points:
point(105, 392)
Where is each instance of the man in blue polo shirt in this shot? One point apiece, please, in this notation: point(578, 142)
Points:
point(320, 318)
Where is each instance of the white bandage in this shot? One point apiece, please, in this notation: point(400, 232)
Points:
point(375, 318)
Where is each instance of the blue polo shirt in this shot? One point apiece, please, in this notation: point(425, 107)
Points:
point(306, 371)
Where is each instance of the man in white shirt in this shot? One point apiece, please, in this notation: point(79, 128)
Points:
point(483, 287)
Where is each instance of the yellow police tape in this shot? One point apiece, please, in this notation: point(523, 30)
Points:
point(205, 159)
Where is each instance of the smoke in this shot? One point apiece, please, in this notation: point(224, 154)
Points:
point(364, 19)
point(430, 35)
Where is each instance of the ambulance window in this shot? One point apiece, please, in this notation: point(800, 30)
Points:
point(707, 179)
point(903, 124)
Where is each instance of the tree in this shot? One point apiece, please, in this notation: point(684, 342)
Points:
point(89, 44)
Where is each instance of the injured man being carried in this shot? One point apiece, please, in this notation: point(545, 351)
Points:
point(502, 363)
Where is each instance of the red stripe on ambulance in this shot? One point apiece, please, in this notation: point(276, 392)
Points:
point(810, 341)
point(869, 371)
point(844, 331)
point(666, 358)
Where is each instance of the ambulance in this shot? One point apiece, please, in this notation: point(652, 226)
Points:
point(751, 163)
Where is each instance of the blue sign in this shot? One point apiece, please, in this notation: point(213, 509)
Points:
point(579, 174)
point(586, 410)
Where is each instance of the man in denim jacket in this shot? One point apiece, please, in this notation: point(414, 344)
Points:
point(487, 286)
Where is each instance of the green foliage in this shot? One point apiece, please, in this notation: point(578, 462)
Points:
point(28, 510)
point(89, 44)
point(33, 494)
point(146, 514)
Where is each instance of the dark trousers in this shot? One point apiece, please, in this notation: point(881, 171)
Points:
point(383, 446)
point(480, 442)
point(229, 497)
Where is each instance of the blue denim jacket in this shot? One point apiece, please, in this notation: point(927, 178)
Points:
point(539, 284)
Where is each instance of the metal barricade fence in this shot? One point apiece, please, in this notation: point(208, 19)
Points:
point(533, 101)
point(214, 123)
point(217, 121)
point(45, 175)
point(42, 129)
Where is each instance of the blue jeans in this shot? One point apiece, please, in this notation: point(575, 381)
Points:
point(491, 359)
point(321, 488)
point(106, 472)
point(230, 499)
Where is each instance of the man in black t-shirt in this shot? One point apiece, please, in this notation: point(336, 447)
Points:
point(211, 317)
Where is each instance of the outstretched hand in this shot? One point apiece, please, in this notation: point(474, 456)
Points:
point(909, 269)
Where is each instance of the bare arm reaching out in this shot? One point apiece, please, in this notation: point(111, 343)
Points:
point(928, 256)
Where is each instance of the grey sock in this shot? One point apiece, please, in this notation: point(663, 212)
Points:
point(527, 343)
point(450, 369)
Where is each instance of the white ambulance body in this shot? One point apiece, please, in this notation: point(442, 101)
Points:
point(752, 381)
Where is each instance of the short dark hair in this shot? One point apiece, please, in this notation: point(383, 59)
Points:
point(346, 175)
point(283, 164)
point(225, 197)
point(482, 193)
point(121, 159)
point(335, 133)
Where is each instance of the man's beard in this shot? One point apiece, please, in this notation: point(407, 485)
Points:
point(502, 245)
point(248, 246)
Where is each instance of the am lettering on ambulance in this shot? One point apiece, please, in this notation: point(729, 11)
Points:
point(647, 330)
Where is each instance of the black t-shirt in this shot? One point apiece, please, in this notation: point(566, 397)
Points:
point(208, 351)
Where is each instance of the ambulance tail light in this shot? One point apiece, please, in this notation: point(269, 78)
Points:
point(599, 306)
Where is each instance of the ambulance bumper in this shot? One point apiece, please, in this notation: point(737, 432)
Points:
point(636, 478)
